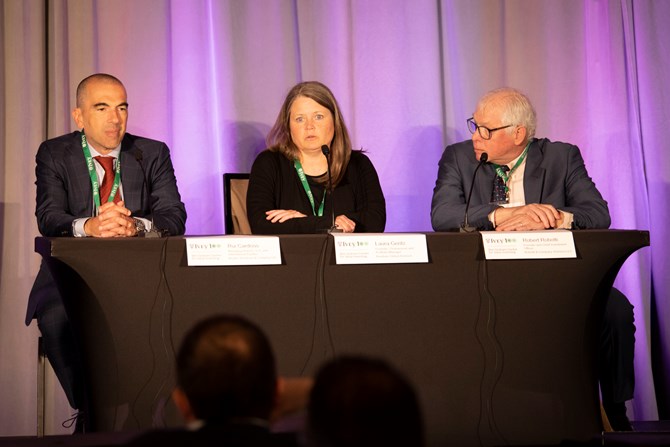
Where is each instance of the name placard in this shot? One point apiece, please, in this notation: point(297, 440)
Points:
point(547, 244)
point(380, 248)
point(233, 250)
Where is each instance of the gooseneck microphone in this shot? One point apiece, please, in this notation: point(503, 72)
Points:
point(465, 228)
point(154, 232)
point(333, 229)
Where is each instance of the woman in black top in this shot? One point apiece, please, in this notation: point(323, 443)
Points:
point(288, 182)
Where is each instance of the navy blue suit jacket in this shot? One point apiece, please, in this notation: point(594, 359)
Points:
point(64, 192)
point(555, 174)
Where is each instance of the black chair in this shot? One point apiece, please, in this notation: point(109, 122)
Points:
point(235, 203)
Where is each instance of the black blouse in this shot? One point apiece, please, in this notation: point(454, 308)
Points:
point(274, 184)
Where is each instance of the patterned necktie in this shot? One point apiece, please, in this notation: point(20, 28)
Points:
point(499, 194)
point(107, 164)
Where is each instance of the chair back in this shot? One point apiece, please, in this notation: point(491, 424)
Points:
point(235, 203)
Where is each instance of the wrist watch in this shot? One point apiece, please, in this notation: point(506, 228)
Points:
point(140, 228)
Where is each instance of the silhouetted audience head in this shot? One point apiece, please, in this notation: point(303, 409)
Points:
point(359, 401)
point(225, 370)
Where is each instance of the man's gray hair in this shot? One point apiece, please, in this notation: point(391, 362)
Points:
point(516, 109)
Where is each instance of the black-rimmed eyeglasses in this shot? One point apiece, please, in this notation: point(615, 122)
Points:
point(484, 132)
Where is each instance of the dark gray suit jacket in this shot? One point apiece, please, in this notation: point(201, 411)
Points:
point(64, 191)
point(555, 174)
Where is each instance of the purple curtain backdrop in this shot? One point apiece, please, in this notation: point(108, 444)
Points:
point(208, 77)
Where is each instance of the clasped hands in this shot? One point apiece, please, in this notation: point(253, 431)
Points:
point(342, 222)
point(113, 220)
point(535, 216)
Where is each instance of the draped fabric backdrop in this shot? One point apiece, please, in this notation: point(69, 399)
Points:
point(208, 77)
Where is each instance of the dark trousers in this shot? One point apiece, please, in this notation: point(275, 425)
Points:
point(58, 339)
point(617, 345)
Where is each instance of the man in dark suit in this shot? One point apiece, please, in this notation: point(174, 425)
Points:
point(98, 182)
point(227, 388)
point(534, 184)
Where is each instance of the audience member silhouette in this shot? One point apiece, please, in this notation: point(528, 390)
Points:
point(360, 401)
point(227, 387)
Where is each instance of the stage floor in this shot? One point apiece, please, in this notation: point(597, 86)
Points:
point(647, 433)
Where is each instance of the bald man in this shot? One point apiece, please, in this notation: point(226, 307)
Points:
point(98, 181)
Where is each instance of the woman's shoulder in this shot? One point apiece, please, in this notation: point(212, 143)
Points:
point(268, 154)
point(270, 157)
point(359, 159)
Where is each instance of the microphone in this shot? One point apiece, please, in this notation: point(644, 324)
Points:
point(154, 232)
point(465, 228)
point(333, 229)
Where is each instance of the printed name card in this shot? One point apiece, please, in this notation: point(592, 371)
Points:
point(548, 244)
point(380, 248)
point(233, 250)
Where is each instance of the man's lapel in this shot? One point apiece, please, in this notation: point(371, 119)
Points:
point(131, 174)
point(533, 177)
point(80, 191)
point(484, 186)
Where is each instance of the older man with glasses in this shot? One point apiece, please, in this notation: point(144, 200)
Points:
point(528, 184)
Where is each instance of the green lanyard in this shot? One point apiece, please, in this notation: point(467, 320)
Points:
point(310, 196)
point(94, 175)
point(504, 175)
